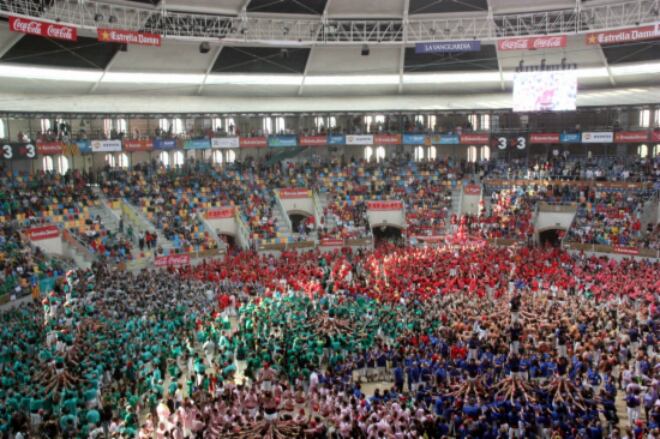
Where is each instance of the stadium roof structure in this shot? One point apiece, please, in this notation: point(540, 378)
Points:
point(327, 50)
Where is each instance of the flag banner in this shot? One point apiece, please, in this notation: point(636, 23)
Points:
point(197, 144)
point(138, 145)
point(387, 139)
point(43, 29)
point(253, 142)
point(221, 212)
point(631, 137)
point(282, 141)
point(331, 243)
point(448, 46)
point(127, 37)
point(475, 139)
point(50, 148)
point(171, 260)
point(164, 144)
point(536, 138)
point(569, 138)
point(106, 145)
point(641, 33)
point(598, 137)
point(291, 193)
point(472, 189)
point(359, 139)
point(336, 139)
point(414, 139)
point(384, 205)
point(41, 233)
point(225, 142)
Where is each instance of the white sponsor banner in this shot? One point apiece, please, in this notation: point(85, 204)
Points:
point(106, 145)
point(598, 137)
point(225, 142)
point(359, 139)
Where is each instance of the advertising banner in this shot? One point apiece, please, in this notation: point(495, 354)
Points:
point(532, 43)
point(220, 212)
point(445, 139)
point(359, 139)
point(138, 145)
point(387, 139)
point(197, 144)
point(127, 37)
point(50, 148)
point(12, 151)
point(253, 142)
point(625, 250)
point(430, 238)
point(472, 189)
point(313, 140)
point(43, 29)
point(106, 145)
point(164, 144)
point(385, 205)
point(282, 141)
point(171, 260)
point(331, 243)
point(291, 193)
point(448, 46)
point(655, 136)
point(569, 138)
point(414, 139)
point(536, 138)
point(631, 136)
point(43, 232)
point(597, 137)
point(475, 139)
point(225, 142)
point(641, 33)
point(336, 139)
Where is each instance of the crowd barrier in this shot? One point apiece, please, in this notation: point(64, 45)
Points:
point(603, 185)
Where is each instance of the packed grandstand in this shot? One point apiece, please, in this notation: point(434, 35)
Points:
point(384, 220)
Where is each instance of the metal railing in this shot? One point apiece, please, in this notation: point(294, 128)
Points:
point(293, 30)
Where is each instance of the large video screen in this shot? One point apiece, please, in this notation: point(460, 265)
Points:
point(545, 91)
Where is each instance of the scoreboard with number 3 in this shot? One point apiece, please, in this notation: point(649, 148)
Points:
point(512, 141)
point(17, 151)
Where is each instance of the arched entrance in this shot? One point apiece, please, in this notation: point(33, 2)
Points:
point(230, 240)
point(387, 233)
point(551, 237)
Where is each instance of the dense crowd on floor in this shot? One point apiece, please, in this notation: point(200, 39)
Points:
point(467, 341)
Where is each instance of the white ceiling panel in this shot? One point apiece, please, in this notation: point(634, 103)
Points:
point(229, 7)
point(329, 60)
point(509, 6)
point(350, 90)
point(172, 56)
point(353, 8)
point(146, 89)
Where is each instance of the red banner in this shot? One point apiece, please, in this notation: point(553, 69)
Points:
point(253, 142)
point(127, 37)
point(384, 205)
point(655, 136)
point(220, 212)
point(289, 193)
point(313, 140)
point(472, 189)
point(138, 145)
point(619, 36)
point(625, 250)
point(41, 233)
point(631, 136)
point(544, 138)
point(475, 139)
point(50, 148)
point(532, 43)
point(43, 29)
point(387, 139)
point(331, 243)
point(167, 261)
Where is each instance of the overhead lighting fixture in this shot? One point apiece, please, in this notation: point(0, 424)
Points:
point(98, 17)
point(240, 79)
point(46, 73)
point(352, 80)
point(112, 19)
point(365, 50)
point(204, 47)
point(152, 78)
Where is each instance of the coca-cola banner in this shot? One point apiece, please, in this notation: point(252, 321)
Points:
point(631, 136)
point(171, 260)
point(313, 140)
point(475, 139)
point(292, 193)
point(138, 145)
point(532, 43)
point(127, 37)
point(384, 205)
point(253, 142)
point(41, 233)
point(537, 138)
point(221, 212)
point(50, 148)
point(387, 139)
point(649, 32)
point(43, 28)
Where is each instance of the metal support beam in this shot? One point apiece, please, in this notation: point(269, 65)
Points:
point(265, 28)
point(497, 52)
point(214, 58)
point(105, 70)
point(402, 55)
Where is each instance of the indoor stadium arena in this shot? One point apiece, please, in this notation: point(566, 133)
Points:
point(329, 219)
